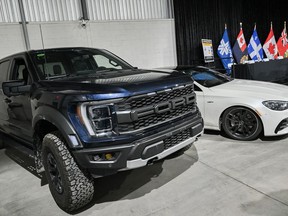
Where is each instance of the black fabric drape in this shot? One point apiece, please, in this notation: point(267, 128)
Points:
point(195, 20)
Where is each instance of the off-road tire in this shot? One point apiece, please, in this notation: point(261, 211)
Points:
point(76, 189)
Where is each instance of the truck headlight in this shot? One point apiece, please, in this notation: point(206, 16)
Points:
point(100, 118)
point(276, 105)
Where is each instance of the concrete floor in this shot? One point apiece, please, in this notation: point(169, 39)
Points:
point(217, 176)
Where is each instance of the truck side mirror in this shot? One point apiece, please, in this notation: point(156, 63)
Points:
point(15, 88)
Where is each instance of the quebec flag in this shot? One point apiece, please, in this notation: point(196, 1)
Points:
point(224, 51)
point(255, 48)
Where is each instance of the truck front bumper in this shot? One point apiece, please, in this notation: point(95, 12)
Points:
point(108, 160)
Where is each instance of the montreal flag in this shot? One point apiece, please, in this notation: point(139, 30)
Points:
point(240, 48)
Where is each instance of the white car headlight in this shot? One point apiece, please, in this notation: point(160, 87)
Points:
point(276, 105)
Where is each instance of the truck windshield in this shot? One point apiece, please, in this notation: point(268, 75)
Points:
point(58, 63)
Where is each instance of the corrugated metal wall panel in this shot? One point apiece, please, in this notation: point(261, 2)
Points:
point(9, 11)
point(52, 10)
point(69, 10)
point(129, 9)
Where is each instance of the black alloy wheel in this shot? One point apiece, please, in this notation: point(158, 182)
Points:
point(241, 123)
point(55, 175)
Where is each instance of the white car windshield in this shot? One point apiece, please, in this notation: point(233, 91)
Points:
point(208, 77)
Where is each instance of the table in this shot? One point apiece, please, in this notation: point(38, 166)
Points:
point(272, 71)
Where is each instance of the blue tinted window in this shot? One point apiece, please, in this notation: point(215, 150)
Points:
point(203, 76)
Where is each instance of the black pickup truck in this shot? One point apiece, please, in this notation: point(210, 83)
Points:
point(86, 113)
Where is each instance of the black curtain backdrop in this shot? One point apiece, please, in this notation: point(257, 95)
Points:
point(206, 19)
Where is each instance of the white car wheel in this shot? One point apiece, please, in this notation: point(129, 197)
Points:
point(241, 123)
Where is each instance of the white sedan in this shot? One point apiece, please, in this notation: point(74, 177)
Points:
point(242, 108)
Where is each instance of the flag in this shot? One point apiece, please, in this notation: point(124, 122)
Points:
point(240, 48)
point(269, 46)
point(225, 53)
point(282, 43)
point(254, 47)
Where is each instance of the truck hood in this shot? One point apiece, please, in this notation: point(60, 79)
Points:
point(253, 89)
point(116, 84)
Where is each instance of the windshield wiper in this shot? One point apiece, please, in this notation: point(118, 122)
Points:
point(61, 76)
point(57, 76)
point(107, 69)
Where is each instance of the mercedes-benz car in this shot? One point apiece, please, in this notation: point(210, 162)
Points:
point(243, 109)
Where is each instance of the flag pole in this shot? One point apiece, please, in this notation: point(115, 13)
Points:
point(225, 26)
point(255, 26)
point(271, 25)
point(240, 25)
point(285, 26)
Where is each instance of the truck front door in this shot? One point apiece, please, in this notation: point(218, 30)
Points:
point(4, 68)
point(19, 107)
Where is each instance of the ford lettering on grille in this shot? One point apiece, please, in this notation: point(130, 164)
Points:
point(159, 108)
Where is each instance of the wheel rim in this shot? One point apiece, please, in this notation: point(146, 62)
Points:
point(241, 123)
point(54, 173)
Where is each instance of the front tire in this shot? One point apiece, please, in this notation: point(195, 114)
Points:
point(241, 123)
point(70, 188)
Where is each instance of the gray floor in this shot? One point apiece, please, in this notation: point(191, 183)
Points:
point(217, 176)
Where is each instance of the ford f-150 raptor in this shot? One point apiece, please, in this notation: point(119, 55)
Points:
point(86, 113)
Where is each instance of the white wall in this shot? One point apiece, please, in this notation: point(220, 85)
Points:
point(11, 39)
point(146, 44)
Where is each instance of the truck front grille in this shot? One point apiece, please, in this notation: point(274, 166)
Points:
point(144, 111)
point(177, 138)
point(155, 119)
point(147, 100)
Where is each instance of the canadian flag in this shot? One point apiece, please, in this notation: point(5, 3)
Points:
point(282, 42)
point(270, 47)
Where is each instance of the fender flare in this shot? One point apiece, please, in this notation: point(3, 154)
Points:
point(56, 118)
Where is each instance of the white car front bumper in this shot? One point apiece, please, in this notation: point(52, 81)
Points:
point(274, 122)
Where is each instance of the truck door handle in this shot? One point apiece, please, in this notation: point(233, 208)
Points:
point(7, 100)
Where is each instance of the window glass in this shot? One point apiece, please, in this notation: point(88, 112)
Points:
point(207, 77)
point(4, 66)
point(20, 71)
point(76, 62)
point(202, 76)
point(104, 62)
point(52, 69)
